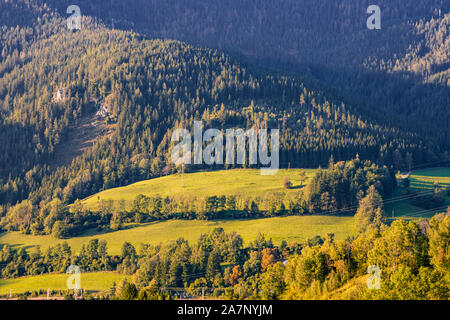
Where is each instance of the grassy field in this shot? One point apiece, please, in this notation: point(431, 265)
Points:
point(421, 180)
point(96, 281)
point(278, 228)
point(224, 182)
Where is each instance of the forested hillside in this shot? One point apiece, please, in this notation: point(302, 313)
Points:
point(54, 77)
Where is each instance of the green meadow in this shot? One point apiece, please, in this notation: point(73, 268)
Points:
point(293, 228)
point(96, 281)
point(224, 182)
point(425, 179)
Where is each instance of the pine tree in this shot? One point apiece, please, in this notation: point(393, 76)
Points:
point(213, 265)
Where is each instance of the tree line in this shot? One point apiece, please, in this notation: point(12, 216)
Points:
point(412, 257)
